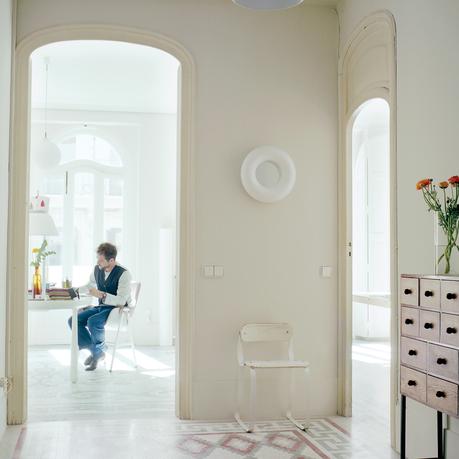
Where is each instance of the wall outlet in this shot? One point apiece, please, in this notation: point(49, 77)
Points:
point(208, 271)
point(218, 271)
point(5, 384)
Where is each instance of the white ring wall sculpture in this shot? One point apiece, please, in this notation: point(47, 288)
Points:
point(268, 174)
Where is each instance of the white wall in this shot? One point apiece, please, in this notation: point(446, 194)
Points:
point(262, 78)
point(6, 31)
point(427, 120)
point(147, 145)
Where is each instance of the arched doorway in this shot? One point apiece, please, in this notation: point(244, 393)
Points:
point(367, 71)
point(19, 195)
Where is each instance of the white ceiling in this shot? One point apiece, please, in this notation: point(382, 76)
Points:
point(105, 75)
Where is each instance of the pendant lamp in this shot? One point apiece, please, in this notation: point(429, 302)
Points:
point(47, 153)
point(268, 4)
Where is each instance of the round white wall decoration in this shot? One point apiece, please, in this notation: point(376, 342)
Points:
point(268, 174)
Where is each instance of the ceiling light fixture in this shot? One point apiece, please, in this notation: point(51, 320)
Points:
point(268, 4)
point(47, 153)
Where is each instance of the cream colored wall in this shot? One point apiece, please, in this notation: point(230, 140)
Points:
point(428, 116)
point(6, 7)
point(262, 78)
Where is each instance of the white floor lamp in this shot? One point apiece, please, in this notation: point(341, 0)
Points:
point(41, 224)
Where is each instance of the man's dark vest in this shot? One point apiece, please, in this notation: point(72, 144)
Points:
point(109, 285)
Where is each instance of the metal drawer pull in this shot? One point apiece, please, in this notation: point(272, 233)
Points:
point(408, 291)
point(451, 330)
point(412, 352)
point(440, 394)
point(409, 321)
point(428, 325)
point(451, 296)
point(441, 361)
point(428, 293)
point(411, 382)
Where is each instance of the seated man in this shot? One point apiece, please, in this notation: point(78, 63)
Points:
point(111, 284)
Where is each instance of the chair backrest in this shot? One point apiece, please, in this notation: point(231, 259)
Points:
point(135, 290)
point(258, 333)
point(252, 333)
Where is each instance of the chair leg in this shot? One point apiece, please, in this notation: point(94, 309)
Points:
point(253, 397)
point(290, 399)
point(116, 343)
point(131, 336)
point(237, 415)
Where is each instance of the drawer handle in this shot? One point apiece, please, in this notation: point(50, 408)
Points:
point(428, 293)
point(411, 382)
point(451, 296)
point(451, 330)
point(440, 394)
point(428, 325)
point(407, 291)
point(409, 321)
point(412, 352)
point(441, 361)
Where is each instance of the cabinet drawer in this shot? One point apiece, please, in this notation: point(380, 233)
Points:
point(443, 361)
point(450, 329)
point(409, 291)
point(450, 296)
point(410, 322)
point(442, 395)
point(429, 293)
point(429, 325)
point(413, 384)
point(413, 353)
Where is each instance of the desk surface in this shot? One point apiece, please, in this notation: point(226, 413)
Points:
point(36, 304)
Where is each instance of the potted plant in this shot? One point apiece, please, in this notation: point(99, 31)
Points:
point(40, 255)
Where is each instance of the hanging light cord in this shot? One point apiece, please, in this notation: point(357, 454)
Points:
point(46, 99)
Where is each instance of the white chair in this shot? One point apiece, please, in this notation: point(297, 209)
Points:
point(120, 320)
point(258, 333)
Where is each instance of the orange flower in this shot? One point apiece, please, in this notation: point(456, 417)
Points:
point(443, 185)
point(423, 183)
point(454, 180)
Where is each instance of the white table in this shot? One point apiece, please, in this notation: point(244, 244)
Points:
point(74, 305)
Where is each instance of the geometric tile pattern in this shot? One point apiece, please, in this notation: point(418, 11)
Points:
point(184, 439)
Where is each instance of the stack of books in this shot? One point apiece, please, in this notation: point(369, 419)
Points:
point(59, 294)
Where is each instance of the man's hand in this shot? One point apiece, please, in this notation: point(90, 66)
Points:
point(96, 293)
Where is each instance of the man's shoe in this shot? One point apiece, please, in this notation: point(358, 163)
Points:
point(89, 360)
point(94, 362)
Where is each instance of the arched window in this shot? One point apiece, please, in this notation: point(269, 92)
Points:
point(87, 204)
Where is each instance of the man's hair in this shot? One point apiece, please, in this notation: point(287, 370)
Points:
point(107, 250)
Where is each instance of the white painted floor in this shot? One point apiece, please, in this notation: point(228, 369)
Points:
point(99, 418)
point(371, 396)
point(147, 391)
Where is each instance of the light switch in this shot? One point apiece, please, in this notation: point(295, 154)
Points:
point(208, 271)
point(326, 271)
point(218, 271)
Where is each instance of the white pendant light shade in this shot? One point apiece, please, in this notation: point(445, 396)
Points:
point(42, 224)
point(268, 4)
point(47, 154)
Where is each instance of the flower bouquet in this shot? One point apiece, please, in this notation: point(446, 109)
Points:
point(443, 199)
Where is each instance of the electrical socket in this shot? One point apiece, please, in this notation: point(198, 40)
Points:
point(5, 384)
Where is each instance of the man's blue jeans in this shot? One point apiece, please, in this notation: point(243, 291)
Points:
point(91, 331)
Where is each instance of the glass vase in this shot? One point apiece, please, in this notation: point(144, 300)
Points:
point(36, 286)
point(446, 252)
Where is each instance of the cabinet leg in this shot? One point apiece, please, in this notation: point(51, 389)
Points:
point(403, 429)
point(440, 435)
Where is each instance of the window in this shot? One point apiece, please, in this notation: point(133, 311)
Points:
point(87, 204)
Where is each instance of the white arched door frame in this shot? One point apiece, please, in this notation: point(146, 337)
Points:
point(354, 91)
point(19, 196)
